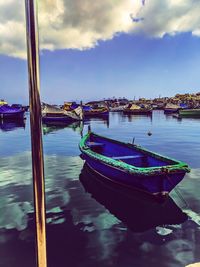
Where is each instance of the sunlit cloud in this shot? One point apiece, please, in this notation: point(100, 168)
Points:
point(81, 24)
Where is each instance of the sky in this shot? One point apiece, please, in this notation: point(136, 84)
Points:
point(100, 49)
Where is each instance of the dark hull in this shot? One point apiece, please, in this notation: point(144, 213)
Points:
point(137, 112)
point(131, 165)
point(170, 111)
point(89, 114)
point(160, 185)
point(12, 115)
point(139, 211)
point(57, 120)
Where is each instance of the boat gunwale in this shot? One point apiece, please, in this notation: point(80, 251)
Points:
point(178, 167)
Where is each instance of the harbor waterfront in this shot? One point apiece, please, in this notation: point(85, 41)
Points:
point(88, 223)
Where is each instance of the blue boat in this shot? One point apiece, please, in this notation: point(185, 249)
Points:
point(131, 165)
point(10, 113)
point(89, 111)
point(171, 108)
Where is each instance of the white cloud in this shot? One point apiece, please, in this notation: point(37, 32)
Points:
point(170, 17)
point(80, 24)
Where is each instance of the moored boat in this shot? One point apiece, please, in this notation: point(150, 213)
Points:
point(118, 108)
point(10, 113)
point(171, 108)
point(3, 102)
point(52, 114)
point(68, 106)
point(89, 111)
point(25, 108)
point(137, 110)
point(131, 165)
point(190, 113)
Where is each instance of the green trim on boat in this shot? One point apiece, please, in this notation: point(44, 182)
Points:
point(190, 112)
point(179, 166)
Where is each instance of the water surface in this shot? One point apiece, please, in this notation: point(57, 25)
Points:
point(90, 223)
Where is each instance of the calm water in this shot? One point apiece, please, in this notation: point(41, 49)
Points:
point(90, 223)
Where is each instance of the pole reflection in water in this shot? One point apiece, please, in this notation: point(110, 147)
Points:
point(36, 137)
point(137, 210)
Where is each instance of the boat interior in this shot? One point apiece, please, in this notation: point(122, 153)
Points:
point(125, 153)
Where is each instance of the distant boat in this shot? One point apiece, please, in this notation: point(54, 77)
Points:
point(25, 108)
point(171, 108)
point(118, 108)
point(131, 165)
point(10, 113)
point(89, 111)
point(193, 113)
point(3, 102)
point(52, 114)
point(137, 110)
point(68, 106)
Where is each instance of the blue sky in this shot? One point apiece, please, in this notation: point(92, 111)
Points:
point(129, 64)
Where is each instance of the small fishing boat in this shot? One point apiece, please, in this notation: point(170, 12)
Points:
point(52, 114)
point(89, 111)
point(10, 113)
point(131, 165)
point(171, 108)
point(193, 113)
point(137, 110)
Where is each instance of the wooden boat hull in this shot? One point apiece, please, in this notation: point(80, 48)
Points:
point(156, 180)
point(138, 112)
point(60, 119)
point(170, 111)
point(160, 185)
point(12, 115)
point(138, 210)
point(93, 113)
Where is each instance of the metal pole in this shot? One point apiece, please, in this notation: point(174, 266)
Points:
point(36, 133)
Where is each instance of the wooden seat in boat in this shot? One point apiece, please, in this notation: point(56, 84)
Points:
point(128, 157)
point(95, 144)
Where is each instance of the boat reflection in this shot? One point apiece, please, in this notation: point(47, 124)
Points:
point(11, 125)
point(54, 127)
point(137, 210)
point(133, 117)
point(180, 118)
point(100, 119)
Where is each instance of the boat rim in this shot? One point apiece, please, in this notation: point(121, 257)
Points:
point(179, 166)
